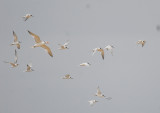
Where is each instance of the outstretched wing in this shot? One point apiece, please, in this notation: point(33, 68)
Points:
point(48, 50)
point(66, 44)
point(98, 91)
point(15, 37)
point(36, 37)
point(16, 57)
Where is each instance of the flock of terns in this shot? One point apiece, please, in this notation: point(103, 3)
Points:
point(42, 44)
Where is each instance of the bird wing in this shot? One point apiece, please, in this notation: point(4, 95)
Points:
point(94, 51)
point(15, 37)
point(16, 57)
point(48, 50)
point(26, 18)
point(12, 64)
point(65, 44)
point(98, 91)
point(36, 37)
point(102, 53)
point(139, 41)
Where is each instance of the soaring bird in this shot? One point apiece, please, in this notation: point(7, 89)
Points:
point(99, 50)
point(29, 69)
point(27, 16)
point(99, 94)
point(14, 64)
point(64, 46)
point(142, 42)
point(67, 77)
point(40, 43)
point(91, 102)
point(16, 42)
point(85, 64)
point(110, 48)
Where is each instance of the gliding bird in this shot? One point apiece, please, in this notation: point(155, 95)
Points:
point(40, 43)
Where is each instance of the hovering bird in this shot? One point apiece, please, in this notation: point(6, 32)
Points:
point(14, 64)
point(85, 64)
point(67, 77)
point(99, 94)
point(27, 16)
point(16, 42)
point(64, 46)
point(91, 102)
point(29, 69)
point(110, 48)
point(100, 50)
point(40, 43)
point(142, 42)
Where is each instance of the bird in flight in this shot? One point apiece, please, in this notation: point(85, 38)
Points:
point(110, 48)
point(13, 64)
point(27, 16)
point(16, 42)
point(29, 68)
point(85, 64)
point(67, 77)
point(142, 42)
point(64, 46)
point(99, 94)
point(40, 43)
point(99, 50)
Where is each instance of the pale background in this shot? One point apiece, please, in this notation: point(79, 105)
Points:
point(131, 77)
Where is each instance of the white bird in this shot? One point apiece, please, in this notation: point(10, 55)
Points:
point(85, 64)
point(110, 48)
point(27, 16)
point(14, 64)
point(67, 77)
point(64, 46)
point(16, 42)
point(142, 42)
point(99, 94)
point(91, 102)
point(40, 43)
point(100, 50)
point(29, 69)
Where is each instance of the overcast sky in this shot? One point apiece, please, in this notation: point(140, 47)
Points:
point(131, 76)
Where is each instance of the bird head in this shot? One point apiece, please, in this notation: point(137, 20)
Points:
point(46, 42)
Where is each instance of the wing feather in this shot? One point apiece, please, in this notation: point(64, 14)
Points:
point(36, 37)
point(48, 50)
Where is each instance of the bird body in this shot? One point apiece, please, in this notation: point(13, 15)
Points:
point(85, 64)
